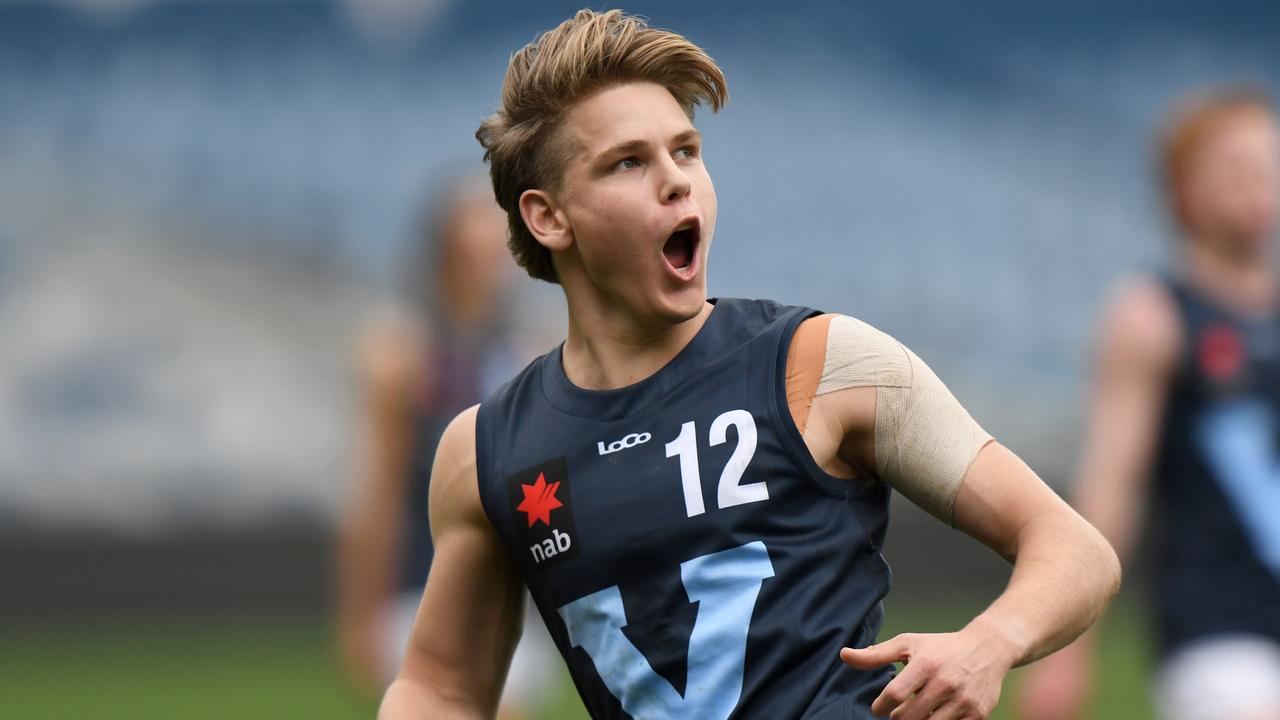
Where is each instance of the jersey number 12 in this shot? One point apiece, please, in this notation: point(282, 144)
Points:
point(731, 492)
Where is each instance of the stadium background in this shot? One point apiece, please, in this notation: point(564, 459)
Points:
point(201, 201)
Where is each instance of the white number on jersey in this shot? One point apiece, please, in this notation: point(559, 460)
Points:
point(731, 491)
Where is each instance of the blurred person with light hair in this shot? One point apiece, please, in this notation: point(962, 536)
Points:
point(1184, 419)
point(414, 377)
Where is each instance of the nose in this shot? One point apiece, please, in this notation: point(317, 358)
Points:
point(675, 184)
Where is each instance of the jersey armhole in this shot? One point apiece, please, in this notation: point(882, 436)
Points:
point(491, 486)
point(483, 464)
point(791, 436)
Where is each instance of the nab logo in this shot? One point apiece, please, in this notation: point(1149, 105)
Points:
point(539, 501)
point(544, 511)
point(558, 543)
point(629, 441)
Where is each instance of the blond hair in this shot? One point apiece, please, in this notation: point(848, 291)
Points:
point(564, 65)
point(1191, 125)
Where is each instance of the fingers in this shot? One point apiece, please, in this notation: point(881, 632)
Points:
point(897, 692)
point(928, 701)
point(953, 711)
point(933, 685)
point(925, 706)
point(895, 649)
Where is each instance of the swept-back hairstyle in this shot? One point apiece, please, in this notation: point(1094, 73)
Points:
point(585, 53)
point(1191, 125)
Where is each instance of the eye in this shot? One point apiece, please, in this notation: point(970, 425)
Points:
point(627, 163)
point(687, 152)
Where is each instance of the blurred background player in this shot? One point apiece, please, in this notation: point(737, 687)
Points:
point(1183, 419)
point(415, 377)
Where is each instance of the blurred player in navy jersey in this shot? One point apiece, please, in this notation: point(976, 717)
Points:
point(695, 491)
point(1184, 421)
point(418, 370)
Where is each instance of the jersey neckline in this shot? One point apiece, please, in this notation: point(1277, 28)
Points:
point(618, 403)
point(1182, 285)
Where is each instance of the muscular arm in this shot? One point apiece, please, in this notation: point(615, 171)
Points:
point(368, 544)
point(901, 422)
point(1064, 574)
point(473, 606)
point(1064, 571)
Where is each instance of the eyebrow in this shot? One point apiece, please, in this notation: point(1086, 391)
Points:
point(626, 146)
point(688, 136)
point(630, 146)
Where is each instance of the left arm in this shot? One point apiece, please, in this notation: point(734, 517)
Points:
point(1064, 574)
point(879, 408)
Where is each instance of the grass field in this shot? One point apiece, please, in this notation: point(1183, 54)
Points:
point(282, 668)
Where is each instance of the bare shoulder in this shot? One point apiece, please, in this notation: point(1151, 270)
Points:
point(1139, 325)
point(455, 492)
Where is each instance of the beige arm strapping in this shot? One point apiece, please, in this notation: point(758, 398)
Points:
point(924, 439)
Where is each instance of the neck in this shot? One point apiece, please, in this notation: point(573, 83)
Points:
point(608, 349)
point(1244, 282)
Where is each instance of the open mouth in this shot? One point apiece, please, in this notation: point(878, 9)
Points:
point(681, 248)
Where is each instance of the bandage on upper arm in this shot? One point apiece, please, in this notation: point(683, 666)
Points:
point(924, 439)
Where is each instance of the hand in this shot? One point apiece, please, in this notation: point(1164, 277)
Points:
point(1056, 687)
point(949, 676)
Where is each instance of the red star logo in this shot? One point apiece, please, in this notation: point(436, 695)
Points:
point(539, 500)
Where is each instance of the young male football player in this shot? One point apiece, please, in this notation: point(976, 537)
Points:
point(1184, 420)
point(695, 492)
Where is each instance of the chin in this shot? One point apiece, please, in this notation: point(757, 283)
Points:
point(685, 304)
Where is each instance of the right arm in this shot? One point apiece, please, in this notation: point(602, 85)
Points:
point(1135, 358)
point(473, 607)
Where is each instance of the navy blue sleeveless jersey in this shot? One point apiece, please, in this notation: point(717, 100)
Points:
point(1216, 486)
point(688, 555)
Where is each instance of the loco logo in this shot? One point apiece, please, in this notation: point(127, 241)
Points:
point(628, 441)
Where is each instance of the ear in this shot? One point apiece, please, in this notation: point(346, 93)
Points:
point(546, 221)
